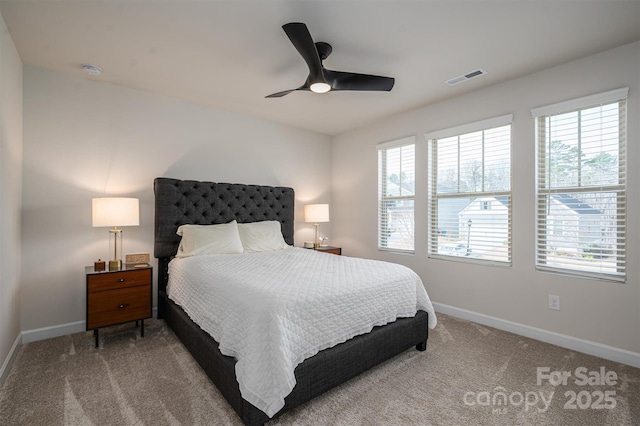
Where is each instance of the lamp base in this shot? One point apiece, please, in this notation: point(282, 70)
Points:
point(315, 237)
point(114, 265)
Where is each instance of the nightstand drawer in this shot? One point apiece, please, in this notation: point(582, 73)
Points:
point(118, 306)
point(116, 280)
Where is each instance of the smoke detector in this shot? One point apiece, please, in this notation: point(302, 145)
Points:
point(465, 77)
point(92, 70)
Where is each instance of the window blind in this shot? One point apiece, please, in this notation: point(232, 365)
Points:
point(470, 193)
point(581, 187)
point(396, 195)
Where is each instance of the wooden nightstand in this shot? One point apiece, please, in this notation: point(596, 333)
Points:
point(329, 249)
point(116, 297)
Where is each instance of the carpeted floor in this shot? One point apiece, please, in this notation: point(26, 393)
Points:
point(469, 375)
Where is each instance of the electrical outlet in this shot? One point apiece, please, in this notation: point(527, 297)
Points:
point(554, 302)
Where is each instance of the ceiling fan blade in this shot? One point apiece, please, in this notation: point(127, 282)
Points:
point(301, 39)
point(280, 94)
point(286, 92)
point(340, 80)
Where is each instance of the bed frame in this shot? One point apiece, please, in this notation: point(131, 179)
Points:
point(179, 202)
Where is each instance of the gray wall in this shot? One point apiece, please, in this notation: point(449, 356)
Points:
point(10, 194)
point(602, 312)
point(86, 139)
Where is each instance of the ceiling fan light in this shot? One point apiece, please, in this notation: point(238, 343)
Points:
point(321, 87)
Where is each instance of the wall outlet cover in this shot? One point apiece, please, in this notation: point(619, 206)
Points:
point(554, 302)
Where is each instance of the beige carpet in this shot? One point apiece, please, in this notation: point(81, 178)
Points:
point(460, 380)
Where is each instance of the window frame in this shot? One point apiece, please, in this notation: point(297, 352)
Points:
point(543, 190)
point(382, 149)
point(433, 196)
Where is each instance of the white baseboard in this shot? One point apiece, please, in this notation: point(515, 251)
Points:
point(42, 334)
point(52, 331)
point(59, 330)
point(580, 345)
point(8, 362)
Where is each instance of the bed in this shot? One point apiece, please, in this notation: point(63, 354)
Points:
point(181, 202)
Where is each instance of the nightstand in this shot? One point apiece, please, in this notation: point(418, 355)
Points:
point(329, 249)
point(116, 297)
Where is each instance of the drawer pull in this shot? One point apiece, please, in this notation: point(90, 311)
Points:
point(121, 280)
point(123, 305)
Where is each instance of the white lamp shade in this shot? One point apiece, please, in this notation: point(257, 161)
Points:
point(115, 212)
point(316, 213)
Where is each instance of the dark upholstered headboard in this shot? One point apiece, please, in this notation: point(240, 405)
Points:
point(180, 202)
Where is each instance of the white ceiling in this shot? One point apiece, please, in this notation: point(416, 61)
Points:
point(232, 53)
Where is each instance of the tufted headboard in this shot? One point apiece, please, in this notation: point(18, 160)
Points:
point(180, 202)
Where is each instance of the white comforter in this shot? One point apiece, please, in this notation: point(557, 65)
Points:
point(272, 310)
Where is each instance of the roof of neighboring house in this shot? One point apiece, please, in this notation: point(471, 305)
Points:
point(503, 199)
point(575, 204)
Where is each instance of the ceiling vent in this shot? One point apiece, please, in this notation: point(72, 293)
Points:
point(465, 77)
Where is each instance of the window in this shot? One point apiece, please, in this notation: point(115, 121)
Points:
point(581, 186)
point(470, 191)
point(396, 195)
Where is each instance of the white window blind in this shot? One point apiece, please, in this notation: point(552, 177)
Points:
point(396, 195)
point(581, 187)
point(470, 192)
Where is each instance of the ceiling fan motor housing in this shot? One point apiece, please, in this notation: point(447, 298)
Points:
point(324, 50)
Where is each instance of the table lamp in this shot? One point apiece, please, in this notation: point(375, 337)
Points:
point(115, 212)
point(316, 213)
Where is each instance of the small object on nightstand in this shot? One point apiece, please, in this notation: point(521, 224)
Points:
point(136, 258)
point(99, 265)
point(330, 249)
point(117, 297)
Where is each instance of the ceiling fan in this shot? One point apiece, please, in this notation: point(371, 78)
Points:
point(320, 79)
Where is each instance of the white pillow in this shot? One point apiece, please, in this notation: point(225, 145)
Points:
point(261, 236)
point(209, 239)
